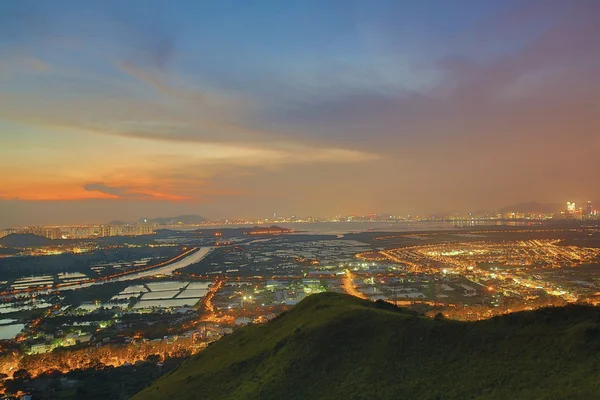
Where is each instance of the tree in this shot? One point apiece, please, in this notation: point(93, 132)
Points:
point(153, 358)
point(95, 363)
point(21, 374)
point(51, 373)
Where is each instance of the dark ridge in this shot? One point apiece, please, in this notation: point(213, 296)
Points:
point(24, 240)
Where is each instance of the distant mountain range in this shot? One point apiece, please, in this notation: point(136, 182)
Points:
point(181, 219)
point(533, 207)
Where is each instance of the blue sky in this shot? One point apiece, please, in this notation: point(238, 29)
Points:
point(231, 108)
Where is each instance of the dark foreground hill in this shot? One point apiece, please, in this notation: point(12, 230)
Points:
point(24, 240)
point(333, 346)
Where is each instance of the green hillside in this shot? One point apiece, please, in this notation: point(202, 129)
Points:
point(333, 346)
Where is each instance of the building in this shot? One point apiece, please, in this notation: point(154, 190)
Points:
point(50, 232)
point(108, 230)
point(243, 321)
point(40, 348)
point(589, 210)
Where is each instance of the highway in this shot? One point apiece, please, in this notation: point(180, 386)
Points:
point(348, 282)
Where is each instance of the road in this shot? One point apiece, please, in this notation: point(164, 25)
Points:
point(348, 282)
point(411, 266)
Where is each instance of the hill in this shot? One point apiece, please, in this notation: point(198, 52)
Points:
point(24, 240)
point(333, 346)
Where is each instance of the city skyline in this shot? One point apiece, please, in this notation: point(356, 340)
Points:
point(521, 210)
point(113, 109)
point(146, 225)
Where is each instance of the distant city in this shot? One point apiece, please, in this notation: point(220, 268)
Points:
point(149, 226)
point(299, 200)
point(72, 305)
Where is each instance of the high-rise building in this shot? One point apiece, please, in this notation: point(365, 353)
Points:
point(589, 210)
point(570, 207)
point(51, 232)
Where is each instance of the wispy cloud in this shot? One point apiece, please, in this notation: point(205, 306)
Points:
point(130, 193)
point(144, 103)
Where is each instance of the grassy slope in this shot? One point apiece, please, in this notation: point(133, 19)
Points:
point(334, 346)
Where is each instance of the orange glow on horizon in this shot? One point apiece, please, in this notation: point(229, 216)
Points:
point(57, 191)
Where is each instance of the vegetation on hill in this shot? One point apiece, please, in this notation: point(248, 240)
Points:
point(333, 346)
point(99, 382)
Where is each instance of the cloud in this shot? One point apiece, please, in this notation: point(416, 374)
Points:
point(132, 193)
point(114, 191)
point(549, 79)
point(149, 98)
point(20, 63)
point(496, 112)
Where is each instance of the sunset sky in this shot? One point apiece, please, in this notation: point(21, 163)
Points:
point(140, 108)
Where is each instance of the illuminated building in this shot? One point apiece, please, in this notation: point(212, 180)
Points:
point(6, 232)
point(570, 207)
point(589, 210)
point(82, 232)
point(50, 232)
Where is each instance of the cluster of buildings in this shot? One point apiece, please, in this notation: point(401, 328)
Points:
point(587, 212)
point(82, 231)
point(50, 232)
point(49, 342)
point(574, 212)
point(571, 211)
point(279, 255)
point(464, 275)
point(524, 269)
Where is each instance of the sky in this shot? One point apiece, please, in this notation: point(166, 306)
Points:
point(229, 109)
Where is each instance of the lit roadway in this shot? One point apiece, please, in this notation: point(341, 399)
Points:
point(389, 255)
point(348, 282)
point(206, 302)
point(208, 305)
